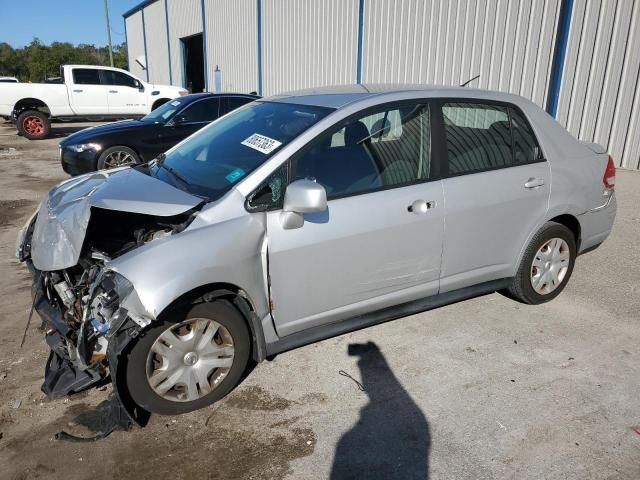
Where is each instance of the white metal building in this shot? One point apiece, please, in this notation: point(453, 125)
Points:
point(578, 59)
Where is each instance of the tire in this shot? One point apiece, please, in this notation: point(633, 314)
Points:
point(546, 288)
point(33, 124)
point(142, 363)
point(118, 156)
point(159, 103)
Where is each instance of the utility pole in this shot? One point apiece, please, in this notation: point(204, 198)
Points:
point(106, 14)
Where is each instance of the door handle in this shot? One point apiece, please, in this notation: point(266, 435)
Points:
point(113, 91)
point(421, 206)
point(534, 183)
point(77, 90)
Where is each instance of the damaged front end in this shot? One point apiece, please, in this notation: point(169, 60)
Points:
point(89, 312)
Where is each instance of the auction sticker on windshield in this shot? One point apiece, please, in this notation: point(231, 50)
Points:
point(261, 143)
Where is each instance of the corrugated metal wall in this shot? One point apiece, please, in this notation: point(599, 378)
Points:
point(185, 19)
point(232, 44)
point(600, 91)
point(308, 43)
point(156, 31)
point(135, 44)
point(509, 43)
point(447, 42)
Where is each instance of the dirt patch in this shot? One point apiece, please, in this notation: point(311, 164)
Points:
point(221, 452)
point(12, 210)
point(257, 398)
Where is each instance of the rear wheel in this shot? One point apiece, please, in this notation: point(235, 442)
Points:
point(33, 124)
point(546, 265)
point(183, 365)
point(118, 156)
point(159, 103)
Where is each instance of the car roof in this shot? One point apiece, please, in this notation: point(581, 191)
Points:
point(340, 96)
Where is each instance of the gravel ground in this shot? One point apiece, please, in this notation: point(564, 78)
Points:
point(486, 388)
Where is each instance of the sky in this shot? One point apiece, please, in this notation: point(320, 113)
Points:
point(74, 21)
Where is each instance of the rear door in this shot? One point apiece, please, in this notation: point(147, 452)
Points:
point(87, 94)
point(379, 242)
point(496, 188)
point(123, 93)
point(230, 103)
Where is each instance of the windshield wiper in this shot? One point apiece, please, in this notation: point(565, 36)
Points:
point(160, 163)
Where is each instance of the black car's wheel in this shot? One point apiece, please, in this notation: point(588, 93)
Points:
point(187, 363)
point(118, 156)
point(33, 124)
point(546, 265)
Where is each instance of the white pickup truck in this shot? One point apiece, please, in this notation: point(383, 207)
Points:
point(82, 92)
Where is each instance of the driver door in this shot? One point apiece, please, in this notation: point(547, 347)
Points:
point(123, 93)
point(374, 246)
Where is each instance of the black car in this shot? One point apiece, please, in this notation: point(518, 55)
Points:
point(139, 141)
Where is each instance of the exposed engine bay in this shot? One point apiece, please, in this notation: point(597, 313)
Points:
point(89, 312)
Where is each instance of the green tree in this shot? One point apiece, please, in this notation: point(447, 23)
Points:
point(37, 61)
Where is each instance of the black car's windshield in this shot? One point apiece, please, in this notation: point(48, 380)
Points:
point(218, 156)
point(163, 112)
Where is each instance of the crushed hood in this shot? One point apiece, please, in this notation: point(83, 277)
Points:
point(62, 220)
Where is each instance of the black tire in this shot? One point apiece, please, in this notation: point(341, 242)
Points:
point(141, 392)
point(159, 103)
point(105, 158)
point(521, 288)
point(33, 124)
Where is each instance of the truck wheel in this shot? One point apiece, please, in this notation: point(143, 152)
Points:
point(185, 363)
point(34, 125)
point(159, 103)
point(118, 156)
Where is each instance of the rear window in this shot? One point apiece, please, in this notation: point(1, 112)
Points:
point(483, 137)
point(86, 76)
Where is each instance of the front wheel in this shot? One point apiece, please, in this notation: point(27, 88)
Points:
point(118, 156)
point(546, 265)
point(188, 363)
point(33, 124)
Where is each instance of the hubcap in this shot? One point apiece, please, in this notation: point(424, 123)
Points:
point(187, 361)
point(33, 125)
point(118, 159)
point(550, 266)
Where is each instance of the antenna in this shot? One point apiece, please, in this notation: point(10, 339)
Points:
point(469, 81)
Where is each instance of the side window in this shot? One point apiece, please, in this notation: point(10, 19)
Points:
point(525, 146)
point(231, 103)
point(86, 76)
point(478, 137)
point(270, 194)
point(112, 77)
point(202, 111)
point(383, 149)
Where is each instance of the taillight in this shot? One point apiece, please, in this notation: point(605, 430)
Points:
point(609, 178)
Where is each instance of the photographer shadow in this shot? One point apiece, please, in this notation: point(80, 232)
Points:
point(391, 438)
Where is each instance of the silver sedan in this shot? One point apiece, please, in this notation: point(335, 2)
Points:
point(300, 217)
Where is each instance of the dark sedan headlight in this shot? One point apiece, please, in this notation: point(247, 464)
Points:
point(82, 147)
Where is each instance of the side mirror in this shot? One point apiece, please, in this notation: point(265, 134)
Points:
point(178, 120)
point(139, 85)
point(302, 196)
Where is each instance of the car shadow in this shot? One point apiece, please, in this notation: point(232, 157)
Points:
point(58, 131)
point(391, 438)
